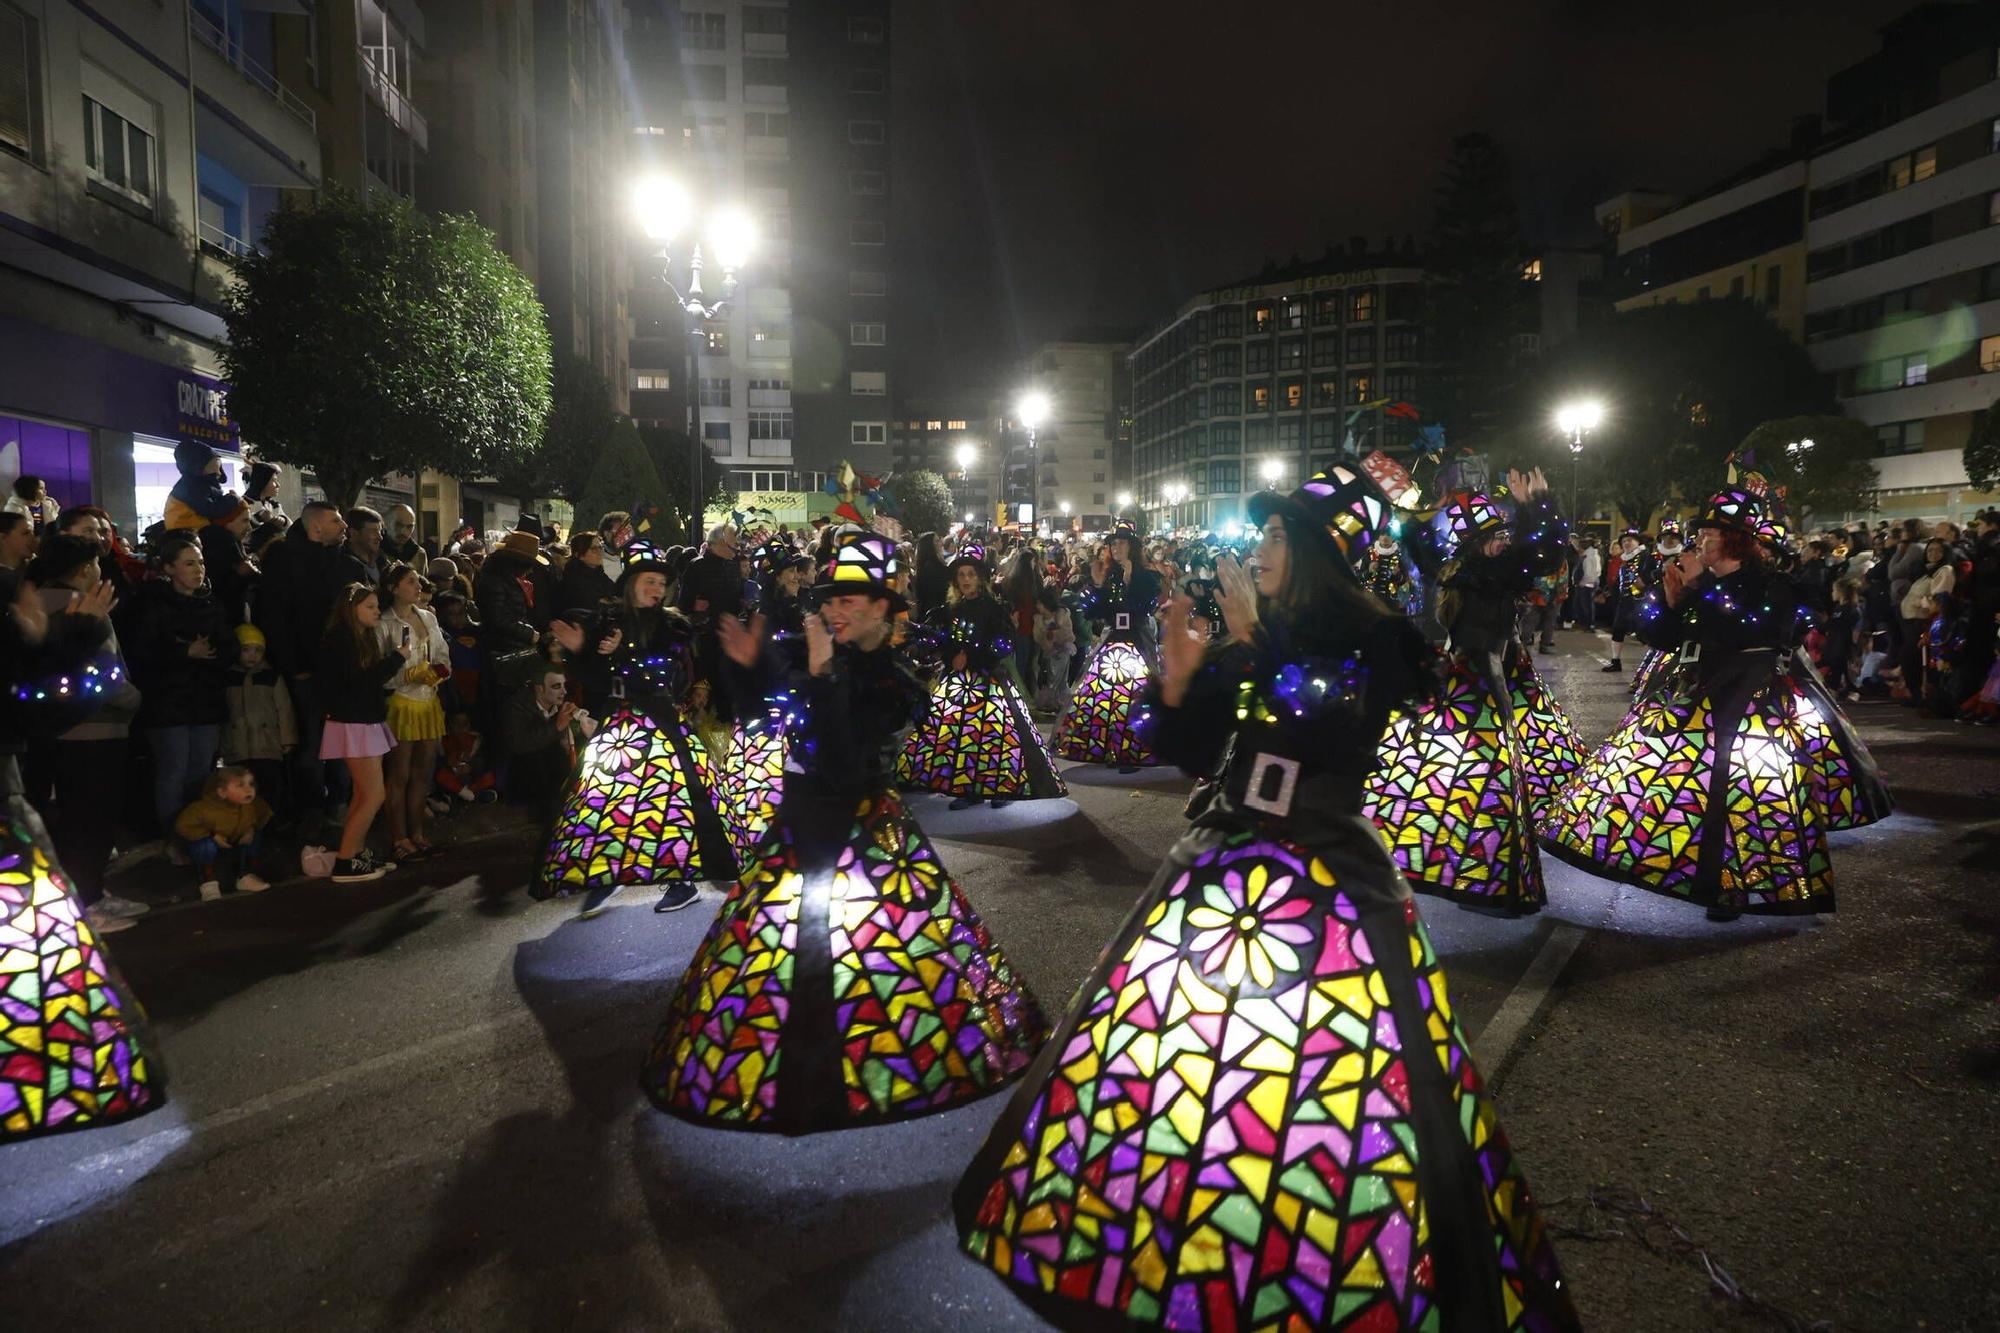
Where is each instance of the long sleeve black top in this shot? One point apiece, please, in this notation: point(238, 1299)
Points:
point(979, 627)
point(1487, 585)
point(846, 725)
point(1752, 607)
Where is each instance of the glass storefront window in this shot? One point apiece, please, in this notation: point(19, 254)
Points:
point(59, 455)
point(154, 475)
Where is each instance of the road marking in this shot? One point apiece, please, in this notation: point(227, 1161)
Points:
point(1494, 1046)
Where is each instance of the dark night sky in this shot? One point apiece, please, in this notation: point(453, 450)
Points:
point(1098, 162)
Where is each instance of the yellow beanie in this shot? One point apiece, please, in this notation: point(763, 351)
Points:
point(248, 634)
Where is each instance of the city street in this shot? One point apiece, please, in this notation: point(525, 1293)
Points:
point(413, 1103)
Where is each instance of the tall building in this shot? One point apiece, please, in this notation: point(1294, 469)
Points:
point(781, 109)
point(1267, 376)
point(961, 437)
point(141, 146)
point(1077, 479)
point(357, 66)
point(478, 92)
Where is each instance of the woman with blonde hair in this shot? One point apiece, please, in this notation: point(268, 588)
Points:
point(416, 714)
point(354, 669)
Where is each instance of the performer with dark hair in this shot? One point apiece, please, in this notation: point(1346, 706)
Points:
point(1120, 599)
point(1708, 792)
point(638, 810)
point(1464, 781)
point(1634, 571)
point(977, 741)
point(846, 979)
point(1259, 1111)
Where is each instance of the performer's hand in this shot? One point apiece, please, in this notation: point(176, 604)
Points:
point(1672, 583)
point(569, 636)
point(609, 643)
point(1180, 652)
point(958, 662)
point(100, 601)
point(819, 646)
point(741, 645)
point(1237, 596)
point(29, 616)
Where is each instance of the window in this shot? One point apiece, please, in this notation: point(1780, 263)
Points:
point(867, 182)
point(771, 424)
point(1324, 433)
point(1225, 437)
point(1228, 361)
point(1326, 350)
point(866, 32)
point(862, 231)
point(1094, 453)
point(1993, 209)
point(1900, 437)
point(1292, 393)
point(1326, 391)
point(717, 431)
point(868, 334)
point(869, 383)
point(1774, 284)
point(1225, 477)
point(770, 386)
point(766, 125)
point(706, 83)
point(1361, 306)
point(865, 131)
point(954, 425)
point(1399, 345)
point(861, 282)
point(1326, 308)
point(1531, 271)
point(1097, 476)
point(1292, 313)
point(1261, 315)
point(1910, 168)
point(715, 392)
point(1989, 353)
point(704, 32)
point(1359, 388)
point(765, 71)
point(1260, 398)
point(651, 379)
point(1229, 321)
point(1257, 436)
point(20, 88)
point(1200, 371)
point(1229, 400)
point(1257, 359)
point(867, 432)
point(1292, 354)
point(764, 18)
point(1736, 287)
point(1360, 347)
point(118, 149)
point(867, 81)
point(1915, 368)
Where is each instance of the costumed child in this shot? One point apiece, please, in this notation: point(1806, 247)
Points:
point(1119, 599)
point(1708, 792)
point(261, 731)
point(1464, 782)
point(224, 831)
point(847, 978)
point(638, 809)
point(977, 741)
point(465, 770)
point(1260, 1111)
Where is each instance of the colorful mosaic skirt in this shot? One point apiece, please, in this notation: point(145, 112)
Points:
point(1650, 672)
point(846, 980)
point(1463, 782)
point(1260, 1112)
point(1708, 791)
point(72, 1050)
point(1847, 784)
point(977, 739)
point(751, 784)
point(636, 811)
point(1097, 726)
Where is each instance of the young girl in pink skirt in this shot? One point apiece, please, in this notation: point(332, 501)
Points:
point(355, 669)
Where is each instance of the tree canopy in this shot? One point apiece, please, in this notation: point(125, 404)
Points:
point(1476, 254)
point(1836, 476)
point(1982, 452)
point(923, 498)
point(369, 337)
point(671, 456)
point(579, 421)
point(620, 477)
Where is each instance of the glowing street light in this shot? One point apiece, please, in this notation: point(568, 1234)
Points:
point(1032, 409)
point(965, 455)
point(1124, 499)
point(1271, 469)
point(1576, 420)
point(1797, 451)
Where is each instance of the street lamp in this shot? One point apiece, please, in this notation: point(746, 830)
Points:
point(664, 210)
point(1271, 469)
point(1577, 420)
point(1174, 492)
point(1032, 409)
point(1797, 451)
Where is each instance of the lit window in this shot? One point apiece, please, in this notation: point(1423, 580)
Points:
point(1260, 398)
point(1295, 394)
point(651, 379)
point(1989, 353)
point(1924, 163)
point(1360, 306)
point(1531, 271)
point(655, 131)
point(934, 425)
point(954, 425)
point(868, 334)
point(1917, 368)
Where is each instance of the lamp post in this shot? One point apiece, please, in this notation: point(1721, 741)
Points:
point(965, 456)
point(1577, 420)
point(1271, 469)
point(664, 209)
point(1797, 451)
point(1032, 410)
point(1175, 492)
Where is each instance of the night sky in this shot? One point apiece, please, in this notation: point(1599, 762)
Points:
point(1098, 162)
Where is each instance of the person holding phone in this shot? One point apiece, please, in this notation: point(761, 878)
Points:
point(416, 714)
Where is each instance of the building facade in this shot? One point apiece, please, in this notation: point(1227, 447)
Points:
point(961, 438)
point(1077, 483)
point(1265, 382)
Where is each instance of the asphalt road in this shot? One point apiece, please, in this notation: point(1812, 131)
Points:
point(413, 1104)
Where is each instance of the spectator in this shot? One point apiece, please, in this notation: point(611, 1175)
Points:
point(1055, 645)
point(509, 620)
point(446, 579)
point(32, 501)
point(400, 542)
point(416, 717)
point(463, 771)
point(17, 540)
point(360, 560)
point(615, 531)
point(1019, 591)
point(295, 598)
point(933, 580)
point(1906, 562)
point(462, 638)
point(230, 569)
point(1930, 587)
point(1589, 570)
point(197, 499)
point(1815, 580)
point(223, 830)
point(584, 583)
point(261, 732)
point(711, 586)
point(1843, 625)
point(89, 760)
point(1983, 597)
point(260, 492)
point(543, 732)
point(354, 671)
point(180, 647)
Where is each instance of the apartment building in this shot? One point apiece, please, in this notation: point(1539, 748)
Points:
point(1086, 380)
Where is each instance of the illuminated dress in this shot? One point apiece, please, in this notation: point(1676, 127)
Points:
point(977, 739)
point(748, 789)
point(846, 979)
point(1096, 727)
point(1260, 1111)
point(1847, 784)
point(638, 809)
point(1464, 781)
point(73, 1050)
point(1710, 790)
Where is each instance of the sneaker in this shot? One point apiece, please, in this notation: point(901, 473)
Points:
point(248, 883)
point(487, 797)
point(1612, 666)
point(359, 869)
point(107, 925)
point(113, 906)
point(595, 901)
point(210, 890)
point(676, 897)
point(438, 805)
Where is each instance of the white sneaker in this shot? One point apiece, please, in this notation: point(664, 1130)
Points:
point(107, 925)
point(247, 883)
point(112, 905)
point(211, 890)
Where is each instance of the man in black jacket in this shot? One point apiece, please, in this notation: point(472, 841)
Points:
point(535, 727)
point(294, 599)
point(712, 587)
point(361, 559)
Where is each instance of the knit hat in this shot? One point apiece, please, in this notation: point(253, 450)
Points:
point(192, 456)
point(441, 571)
point(249, 636)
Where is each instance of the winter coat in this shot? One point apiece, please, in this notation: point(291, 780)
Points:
point(295, 597)
point(711, 586)
point(197, 499)
point(508, 620)
point(210, 816)
point(581, 588)
point(349, 567)
point(180, 691)
point(230, 572)
point(352, 690)
point(118, 707)
point(260, 723)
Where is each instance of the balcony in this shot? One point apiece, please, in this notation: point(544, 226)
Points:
point(378, 79)
point(222, 44)
point(245, 118)
point(219, 242)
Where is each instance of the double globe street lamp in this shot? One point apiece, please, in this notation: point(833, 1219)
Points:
point(1577, 420)
point(664, 211)
point(1031, 410)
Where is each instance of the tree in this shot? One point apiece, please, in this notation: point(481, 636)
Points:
point(579, 421)
point(1476, 256)
point(622, 475)
point(1682, 385)
point(1982, 452)
point(669, 451)
point(368, 337)
point(923, 499)
point(1836, 476)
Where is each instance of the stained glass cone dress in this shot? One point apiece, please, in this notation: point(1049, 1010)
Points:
point(977, 737)
point(1260, 1111)
point(847, 979)
point(1709, 791)
point(1096, 726)
point(752, 781)
point(1847, 784)
point(1463, 781)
